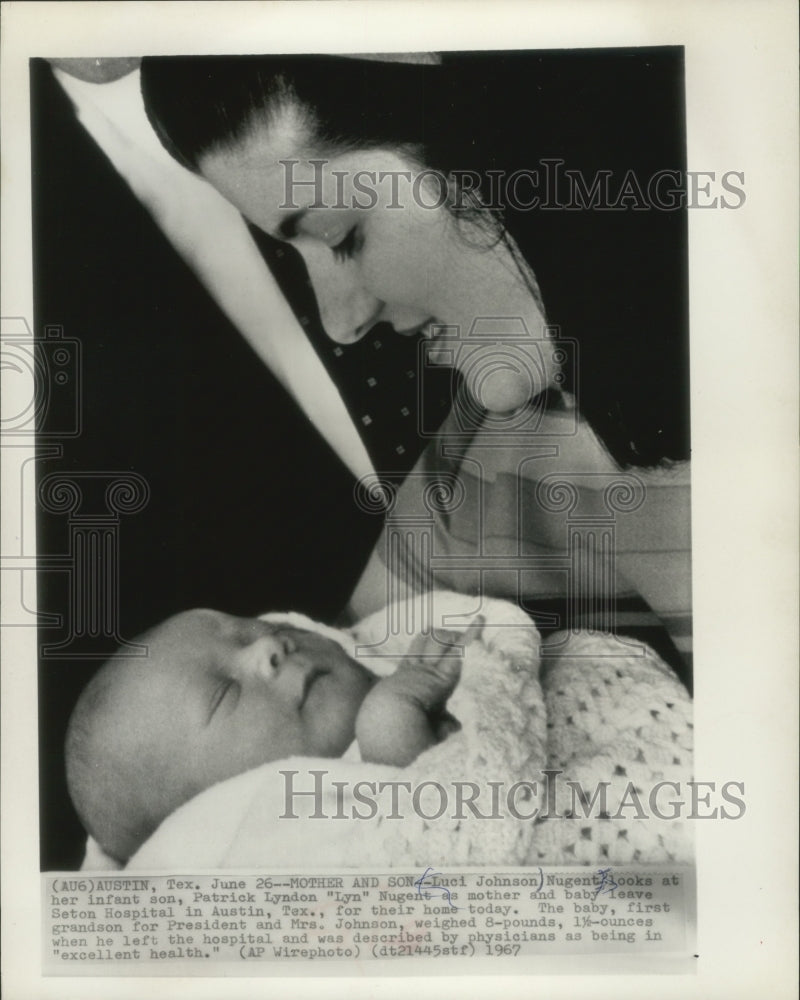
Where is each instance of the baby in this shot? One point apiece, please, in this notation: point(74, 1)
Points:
point(219, 695)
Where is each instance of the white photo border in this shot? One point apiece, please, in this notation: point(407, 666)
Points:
point(741, 84)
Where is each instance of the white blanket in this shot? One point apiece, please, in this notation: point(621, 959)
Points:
point(606, 716)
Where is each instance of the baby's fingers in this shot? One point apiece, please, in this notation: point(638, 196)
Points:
point(444, 643)
point(463, 637)
point(441, 642)
point(429, 682)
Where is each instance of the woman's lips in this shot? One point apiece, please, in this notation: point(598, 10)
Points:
point(426, 327)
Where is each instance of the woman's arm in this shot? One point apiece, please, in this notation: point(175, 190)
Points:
point(371, 593)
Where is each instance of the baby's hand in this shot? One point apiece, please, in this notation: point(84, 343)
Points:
point(405, 714)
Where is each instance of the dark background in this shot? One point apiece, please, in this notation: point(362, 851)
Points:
point(249, 510)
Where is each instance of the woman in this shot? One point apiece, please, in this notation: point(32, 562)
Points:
point(410, 188)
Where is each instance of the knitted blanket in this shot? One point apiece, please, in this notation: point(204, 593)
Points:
point(606, 721)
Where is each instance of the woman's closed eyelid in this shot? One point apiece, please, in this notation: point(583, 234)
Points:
point(347, 247)
point(340, 236)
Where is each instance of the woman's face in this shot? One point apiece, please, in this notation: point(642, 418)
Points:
point(375, 246)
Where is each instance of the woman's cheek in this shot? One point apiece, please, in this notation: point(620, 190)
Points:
point(398, 279)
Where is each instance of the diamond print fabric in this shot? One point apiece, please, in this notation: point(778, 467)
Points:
point(377, 376)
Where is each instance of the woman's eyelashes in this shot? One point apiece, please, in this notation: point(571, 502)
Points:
point(347, 247)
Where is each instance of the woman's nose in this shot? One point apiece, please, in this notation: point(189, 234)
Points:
point(346, 308)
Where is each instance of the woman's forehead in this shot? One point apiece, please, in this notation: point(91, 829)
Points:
point(276, 173)
point(250, 168)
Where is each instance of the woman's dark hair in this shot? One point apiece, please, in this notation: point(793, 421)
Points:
point(200, 104)
point(613, 280)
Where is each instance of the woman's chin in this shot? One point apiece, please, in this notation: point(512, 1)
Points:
point(504, 392)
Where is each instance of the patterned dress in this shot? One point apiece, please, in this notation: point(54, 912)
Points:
point(530, 507)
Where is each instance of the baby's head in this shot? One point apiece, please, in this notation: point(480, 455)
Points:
point(216, 696)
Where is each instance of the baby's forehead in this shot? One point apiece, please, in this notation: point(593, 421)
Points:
point(174, 658)
point(185, 640)
point(132, 681)
point(185, 626)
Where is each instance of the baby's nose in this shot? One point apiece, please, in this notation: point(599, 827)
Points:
point(264, 656)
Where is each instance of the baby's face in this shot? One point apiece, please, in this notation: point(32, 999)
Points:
point(221, 695)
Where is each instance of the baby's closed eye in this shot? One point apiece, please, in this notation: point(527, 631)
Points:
point(225, 696)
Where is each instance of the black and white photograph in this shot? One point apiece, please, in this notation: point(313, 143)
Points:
point(363, 431)
point(429, 320)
